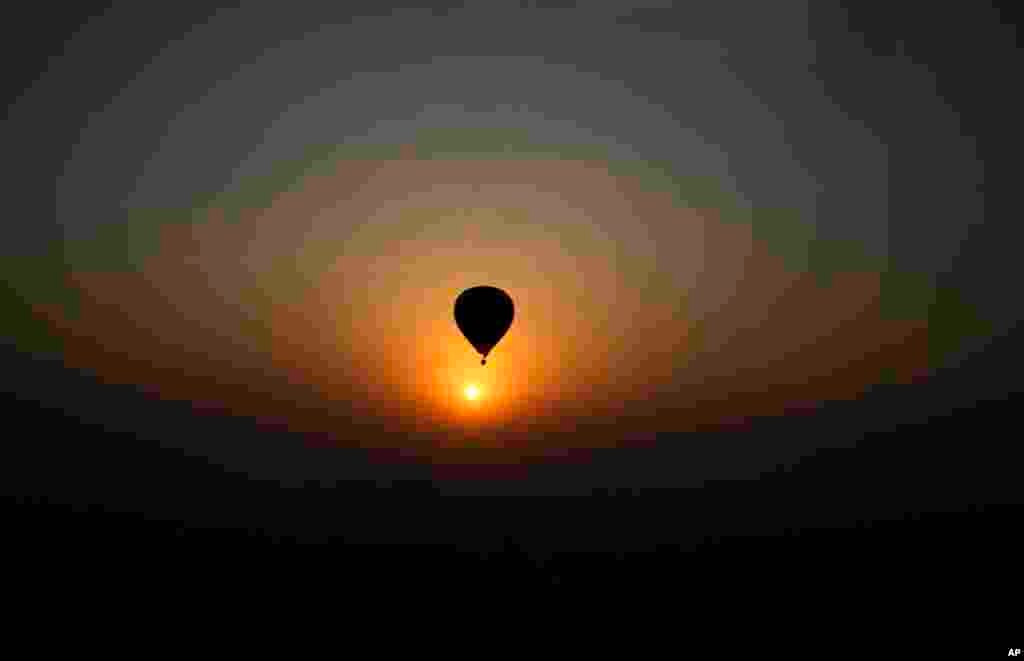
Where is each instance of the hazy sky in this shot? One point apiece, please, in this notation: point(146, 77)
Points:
point(703, 214)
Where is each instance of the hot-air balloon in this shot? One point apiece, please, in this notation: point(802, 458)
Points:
point(484, 315)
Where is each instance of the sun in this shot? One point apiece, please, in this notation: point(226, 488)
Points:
point(472, 392)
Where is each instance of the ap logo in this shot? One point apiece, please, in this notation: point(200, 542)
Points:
point(1014, 651)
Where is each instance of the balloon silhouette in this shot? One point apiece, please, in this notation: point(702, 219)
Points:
point(484, 315)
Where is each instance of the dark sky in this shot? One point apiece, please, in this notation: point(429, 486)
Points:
point(759, 252)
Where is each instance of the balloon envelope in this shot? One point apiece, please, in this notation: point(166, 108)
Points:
point(484, 314)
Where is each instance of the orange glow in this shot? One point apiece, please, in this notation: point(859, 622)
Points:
point(472, 392)
point(343, 323)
